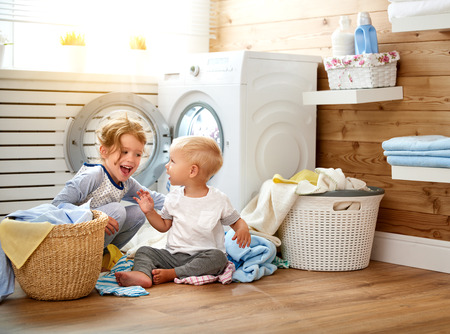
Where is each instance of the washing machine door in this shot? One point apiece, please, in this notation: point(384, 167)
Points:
point(81, 144)
point(200, 119)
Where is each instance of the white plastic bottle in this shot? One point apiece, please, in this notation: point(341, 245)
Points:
point(343, 38)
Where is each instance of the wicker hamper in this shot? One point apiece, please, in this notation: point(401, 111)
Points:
point(316, 236)
point(66, 265)
point(372, 70)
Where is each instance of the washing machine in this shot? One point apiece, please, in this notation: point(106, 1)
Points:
point(251, 104)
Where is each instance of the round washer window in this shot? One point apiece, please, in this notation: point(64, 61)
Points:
point(81, 144)
point(200, 119)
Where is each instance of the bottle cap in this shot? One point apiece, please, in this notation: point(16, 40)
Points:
point(344, 22)
point(363, 18)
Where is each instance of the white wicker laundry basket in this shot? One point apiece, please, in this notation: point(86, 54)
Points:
point(315, 235)
point(372, 70)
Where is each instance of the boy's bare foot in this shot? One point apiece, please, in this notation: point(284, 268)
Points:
point(163, 275)
point(130, 278)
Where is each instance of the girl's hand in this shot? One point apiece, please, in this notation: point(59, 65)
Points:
point(145, 201)
point(112, 226)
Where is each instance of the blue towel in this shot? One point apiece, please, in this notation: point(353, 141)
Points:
point(417, 143)
point(419, 161)
point(107, 284)
point(65, 213)
point(436, 153)
point(252, 262)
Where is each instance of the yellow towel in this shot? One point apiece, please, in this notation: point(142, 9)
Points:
point(112, 257)
point(20, 239)
point(305, 174)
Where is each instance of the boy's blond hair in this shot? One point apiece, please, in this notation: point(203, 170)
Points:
point(109, 134)
point(201, 151)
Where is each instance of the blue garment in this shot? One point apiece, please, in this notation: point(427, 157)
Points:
point(251, 262)
point(6, 276)
point(107, 284)
point(64, 213)
point(417, 143)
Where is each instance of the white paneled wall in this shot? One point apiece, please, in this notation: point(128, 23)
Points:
point(35, 108)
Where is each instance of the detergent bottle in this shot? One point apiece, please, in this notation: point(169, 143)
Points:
point(365, 35)
point(342, 39)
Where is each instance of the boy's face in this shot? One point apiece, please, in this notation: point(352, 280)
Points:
point(123, 162)
point(178, 168)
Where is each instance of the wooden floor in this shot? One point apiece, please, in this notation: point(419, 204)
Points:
point(383, 298)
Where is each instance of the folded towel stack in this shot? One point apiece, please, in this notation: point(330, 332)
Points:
point(418, 151)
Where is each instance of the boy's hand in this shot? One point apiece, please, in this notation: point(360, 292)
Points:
point(145, 201)
point(241, 234)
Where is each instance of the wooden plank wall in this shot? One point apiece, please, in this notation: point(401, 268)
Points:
point(34, 114)
point(350, 136)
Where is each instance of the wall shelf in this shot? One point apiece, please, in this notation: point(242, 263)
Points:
point(353, 96)
point(417, 23)
point(426, 174)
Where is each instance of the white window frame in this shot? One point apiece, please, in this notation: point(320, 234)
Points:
point(170, 27)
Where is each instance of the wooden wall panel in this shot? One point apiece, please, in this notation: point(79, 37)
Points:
point(350, 136)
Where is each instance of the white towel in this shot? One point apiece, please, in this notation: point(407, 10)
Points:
point(330, 179)
point(399, 9)
point(265, 212)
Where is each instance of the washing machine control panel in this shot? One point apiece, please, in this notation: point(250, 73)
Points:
point(214, 68)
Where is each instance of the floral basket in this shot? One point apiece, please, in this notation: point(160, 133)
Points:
point(369, 70)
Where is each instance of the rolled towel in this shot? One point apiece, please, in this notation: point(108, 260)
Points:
point(417, 143)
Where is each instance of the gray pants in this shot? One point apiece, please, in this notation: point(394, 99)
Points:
point(130, 219)
point(208, 262)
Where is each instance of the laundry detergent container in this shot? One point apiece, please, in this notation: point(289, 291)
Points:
point(332, 231)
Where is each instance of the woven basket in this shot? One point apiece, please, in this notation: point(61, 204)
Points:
point(66, 265)
point(315, 236)
point(373, 70)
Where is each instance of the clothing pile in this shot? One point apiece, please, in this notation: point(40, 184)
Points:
point(265, 212)
point(418, 151)
point(408, 8)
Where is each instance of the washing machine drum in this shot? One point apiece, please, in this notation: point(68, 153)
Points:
point(81, 144)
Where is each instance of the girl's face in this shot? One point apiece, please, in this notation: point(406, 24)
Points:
point(178, 168)
point(123, 162)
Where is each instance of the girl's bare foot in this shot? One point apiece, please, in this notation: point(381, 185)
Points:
point(130, 278)
point(163, 275)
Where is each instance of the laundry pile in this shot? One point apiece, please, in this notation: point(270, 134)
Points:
point(22, 231)
point(265, 213)
point(409, 8)
point(418, 151)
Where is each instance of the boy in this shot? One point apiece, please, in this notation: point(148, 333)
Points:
point(193, 214)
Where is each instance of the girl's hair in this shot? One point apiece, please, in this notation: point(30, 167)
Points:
point(110, 133)
point(201, 151)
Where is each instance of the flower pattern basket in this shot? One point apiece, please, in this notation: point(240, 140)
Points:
point(370, 70)
point(316, 236)
point(67, 263)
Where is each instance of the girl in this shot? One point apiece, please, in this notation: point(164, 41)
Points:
point(122, 142)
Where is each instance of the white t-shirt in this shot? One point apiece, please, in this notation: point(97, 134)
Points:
point(197, 223)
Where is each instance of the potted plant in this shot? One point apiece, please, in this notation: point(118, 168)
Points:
point(139, 57)
point(3, 42)
point(74, 49)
